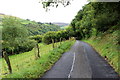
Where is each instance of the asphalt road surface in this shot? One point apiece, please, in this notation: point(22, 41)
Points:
point(82, 61)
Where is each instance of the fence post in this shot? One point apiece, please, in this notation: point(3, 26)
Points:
point(53, 43)
point(64, 39)
point(56, 45)
point(35, 49)
point(60, 40)
point(38, 51)
point(5, 56)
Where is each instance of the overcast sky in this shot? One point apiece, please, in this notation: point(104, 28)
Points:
point(31, 9)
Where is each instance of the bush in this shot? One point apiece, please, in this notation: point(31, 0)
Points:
point(41, 65)
point(15, 36)
point(47, 38)
point(56, 36)
point(27, 46)
point(38, 38)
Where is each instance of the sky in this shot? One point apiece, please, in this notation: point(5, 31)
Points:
point(33, 10)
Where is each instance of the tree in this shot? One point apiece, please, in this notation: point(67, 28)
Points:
point(96, 18)
point(5, 55)
point(13, 33)
point(38, 38)
point(54, 3)
point(47, 38)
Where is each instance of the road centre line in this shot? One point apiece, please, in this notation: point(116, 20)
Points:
point(72, 66)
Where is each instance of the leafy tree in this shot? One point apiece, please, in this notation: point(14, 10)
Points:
point(54, 3)
point(96, 18)
point(47, 38)
point(56, 36)
point(14, 34)
point(38, 38)
point(37, 28)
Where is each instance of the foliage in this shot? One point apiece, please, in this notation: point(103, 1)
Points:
point(47, 38)
point(54, 3)
point(99, 16)
point(15, 33)
point(38, 38)
point(25, 65)
point(56, 36)
point(108, 46)
point(14, 36)
point(37, 28)
point(101, 21)
point(34, 28)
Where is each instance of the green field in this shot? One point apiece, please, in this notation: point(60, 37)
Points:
point(65, 27)
point(26, 66)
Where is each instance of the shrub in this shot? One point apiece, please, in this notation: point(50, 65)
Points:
point(27, 46)
point(47, 38)
point(38, 38)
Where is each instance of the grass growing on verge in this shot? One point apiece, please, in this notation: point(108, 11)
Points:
point(108, 47)
point(25, 66)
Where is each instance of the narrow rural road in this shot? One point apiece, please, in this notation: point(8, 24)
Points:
point(82, 61)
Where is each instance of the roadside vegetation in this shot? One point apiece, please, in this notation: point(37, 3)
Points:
point(108, 47)
point(99, 25)
point(16, 33)
point(26, 55)
point(26, 66)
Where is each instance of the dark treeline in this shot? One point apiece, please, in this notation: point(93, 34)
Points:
point(96, 18)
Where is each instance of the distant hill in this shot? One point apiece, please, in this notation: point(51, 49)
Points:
point(61, 24)
point(34, 28)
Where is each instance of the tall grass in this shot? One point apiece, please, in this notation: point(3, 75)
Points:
point(108, 47)
point(25, 66)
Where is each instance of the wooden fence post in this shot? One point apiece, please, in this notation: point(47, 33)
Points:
point(35, 52)
point(5, 56)
point(53, 43)
point(56, 45)
point(60, 40)
point(64, 39)
point(38, 51)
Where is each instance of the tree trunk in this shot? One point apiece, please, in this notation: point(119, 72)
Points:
point(7, 61)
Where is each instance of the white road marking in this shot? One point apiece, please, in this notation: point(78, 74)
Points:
point(72, 66)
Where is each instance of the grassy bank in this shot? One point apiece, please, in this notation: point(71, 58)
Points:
point(25, 66)
point(108, 46)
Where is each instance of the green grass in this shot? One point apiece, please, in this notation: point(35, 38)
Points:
point(25, 66)
point(65, 27)
point(108, 46)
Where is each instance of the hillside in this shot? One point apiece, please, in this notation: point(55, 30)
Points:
point(61, 24)
point(33, 49)
point(108, 47)
point(36, 28)
point(33, 27)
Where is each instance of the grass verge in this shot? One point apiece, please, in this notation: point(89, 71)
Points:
point(108, 47)
point(25, 66)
